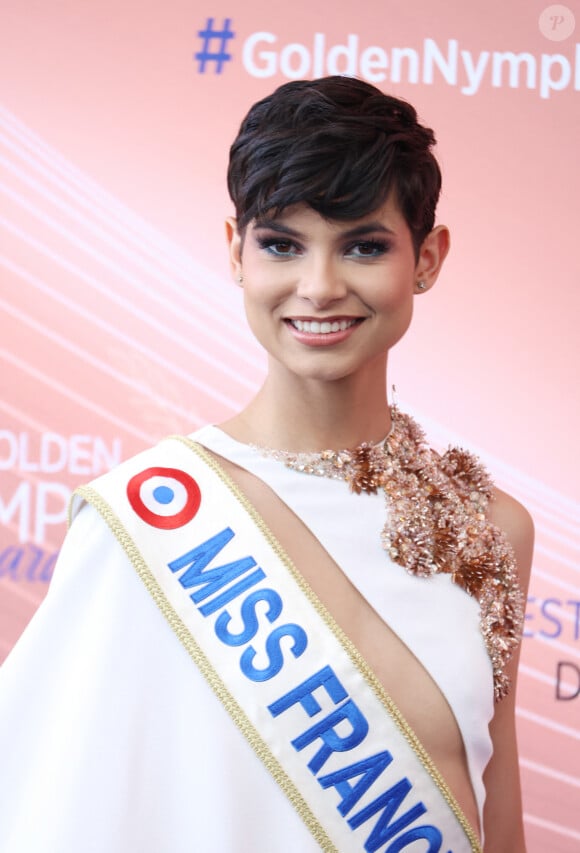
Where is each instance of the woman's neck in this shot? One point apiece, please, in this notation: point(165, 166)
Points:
point(307, 415)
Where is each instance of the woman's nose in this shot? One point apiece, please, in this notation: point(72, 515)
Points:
point(321, 282)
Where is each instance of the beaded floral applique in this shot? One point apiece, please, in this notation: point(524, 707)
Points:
point(436, 523)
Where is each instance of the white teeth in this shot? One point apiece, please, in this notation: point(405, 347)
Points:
point(313, 327)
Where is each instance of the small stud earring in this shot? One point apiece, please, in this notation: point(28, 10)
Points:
point(421, 285)
point(240, 278)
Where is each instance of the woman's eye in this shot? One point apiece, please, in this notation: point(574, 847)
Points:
point(367, 249)
point(280, 248)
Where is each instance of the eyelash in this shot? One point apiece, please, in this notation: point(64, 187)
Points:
point(268, 244)
point(378, 248)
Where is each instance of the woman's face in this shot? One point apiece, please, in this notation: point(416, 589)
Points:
point(327, 299)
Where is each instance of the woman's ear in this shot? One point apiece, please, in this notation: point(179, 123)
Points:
point(432, 253)
point(235, 246)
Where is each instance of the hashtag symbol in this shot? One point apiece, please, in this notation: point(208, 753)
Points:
point(209, 36)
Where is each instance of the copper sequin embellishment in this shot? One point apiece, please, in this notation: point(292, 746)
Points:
point(436, 523)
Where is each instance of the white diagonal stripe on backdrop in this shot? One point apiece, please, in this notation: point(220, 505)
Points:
point(547, 723)
point(539, 572)
point(565, 778)
point(83, 402)
point(24, 417)
point(536, 675)
point(552, 826)
point(86, 193)
point(178, 289)
point(555, 556)
point(573, 528)
point(127, 341)
point(98, 363)
point(123, 302)
point(553, 643)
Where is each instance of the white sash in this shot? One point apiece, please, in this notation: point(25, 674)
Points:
point(292, 682)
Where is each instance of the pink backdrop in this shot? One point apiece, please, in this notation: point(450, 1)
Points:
point(120, 324)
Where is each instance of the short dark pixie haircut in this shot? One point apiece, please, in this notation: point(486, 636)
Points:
point(339, 145)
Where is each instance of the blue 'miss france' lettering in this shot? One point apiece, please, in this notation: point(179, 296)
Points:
point(390, 827)
point(388, 804)
point(366, 771)
point(226, 583)
point(332, 741)
point(209, 581)
point(325, 729)
point(249, 617)
point(274, 652)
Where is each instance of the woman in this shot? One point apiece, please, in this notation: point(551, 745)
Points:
point(351, 600)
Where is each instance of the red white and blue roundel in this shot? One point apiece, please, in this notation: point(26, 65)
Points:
point(164, 497)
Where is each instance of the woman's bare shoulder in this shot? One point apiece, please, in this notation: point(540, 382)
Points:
point(515, 521)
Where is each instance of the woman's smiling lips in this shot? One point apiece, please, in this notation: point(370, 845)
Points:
point(323, 331)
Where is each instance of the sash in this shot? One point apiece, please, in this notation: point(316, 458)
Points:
point(292, 682)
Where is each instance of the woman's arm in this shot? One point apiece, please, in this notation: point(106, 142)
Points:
point(503, 823)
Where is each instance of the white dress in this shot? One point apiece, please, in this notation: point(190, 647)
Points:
point(110, 739)
point(436, 620)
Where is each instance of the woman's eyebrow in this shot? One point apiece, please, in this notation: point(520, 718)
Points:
point(367, 228)
point(356, 231)
point(276, 225)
